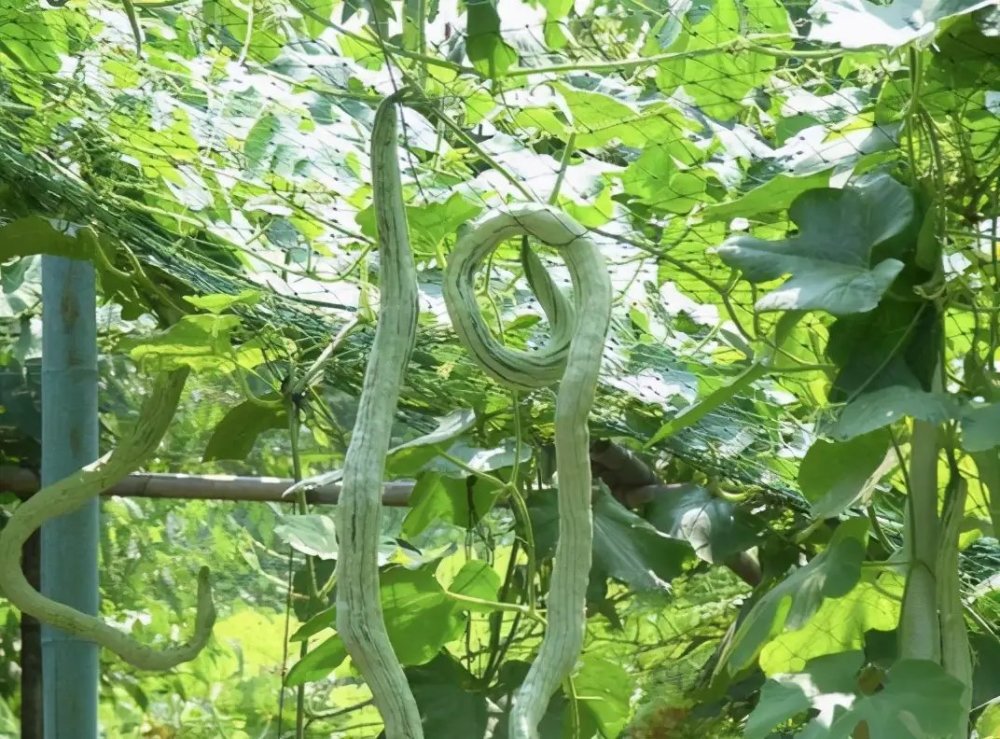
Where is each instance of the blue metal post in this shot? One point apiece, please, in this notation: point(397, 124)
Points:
point(69, 441)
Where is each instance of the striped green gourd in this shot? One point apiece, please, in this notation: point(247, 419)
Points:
point(571, 357)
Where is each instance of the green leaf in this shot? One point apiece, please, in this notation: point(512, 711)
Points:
point(232, 22)
point(30, 40)
point(774, 195)
point(450, 707)
point(603, 694)
point(419, 616)
point(668, 28)
point(981, 428)
point(884, 407)
point(833, 475)
point(698, 410)
point(202, 342)
point(325, 619)
point(37, 235)
point(484, 44)
point(626, 547)
point(410, 457)
point(988, 465)
point(986, 680)
point(830, 259)
point(479, 459)
point(268, 141)
point(785, 696)
point(312, 534)
point(448, 427)
point(476, 579)
point(988, 723)
point(988, 21)
point(430, 223)
point(790, 604)
point(382, 10)
point(656, 180)
point(451, 501)
point(318, 663)
point(427, 503)
point(630, 550)
point(818, 149)
point(555, 12)
point(919, 700)
point(718, 82)
point(714, 527)
point(316, 15)
point(859, 24)
point(598, 118)
point(839, 624)
point(220, 303)
point(892, 345)
point(235, 435)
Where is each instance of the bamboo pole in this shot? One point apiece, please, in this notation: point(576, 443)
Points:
point(23, 483)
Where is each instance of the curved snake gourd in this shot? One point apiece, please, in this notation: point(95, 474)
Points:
point(360, 622)
point(573, 357)
point(68, 495)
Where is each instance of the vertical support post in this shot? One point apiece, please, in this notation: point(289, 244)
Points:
point(32, 711)
point(69, 441)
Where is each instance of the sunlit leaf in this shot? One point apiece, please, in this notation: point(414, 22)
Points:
point(793, 601)
point(439, 500)
point(856, 24)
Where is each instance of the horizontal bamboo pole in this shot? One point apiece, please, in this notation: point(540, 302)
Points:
point(23, 482)
point(629, 478)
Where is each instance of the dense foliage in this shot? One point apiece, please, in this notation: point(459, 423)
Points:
point(800, 208)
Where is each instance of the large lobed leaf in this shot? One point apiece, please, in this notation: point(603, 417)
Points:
point(830, 260)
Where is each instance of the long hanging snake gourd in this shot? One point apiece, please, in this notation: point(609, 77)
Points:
point(68, 495)
point(572, 357)
point(360, 621)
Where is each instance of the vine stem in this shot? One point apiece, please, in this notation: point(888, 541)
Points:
point(360, 621)
point(919, 629)
point(571, 357)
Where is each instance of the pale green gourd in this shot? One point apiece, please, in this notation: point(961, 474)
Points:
point(68, 495)
point(573, 358)
point(360, 622)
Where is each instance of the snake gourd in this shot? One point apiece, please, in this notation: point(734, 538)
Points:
point(572, 356)
point(68, 495)
point(360, 622)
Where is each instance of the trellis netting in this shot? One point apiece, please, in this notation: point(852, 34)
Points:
point(223, 146)
point(231, 155)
